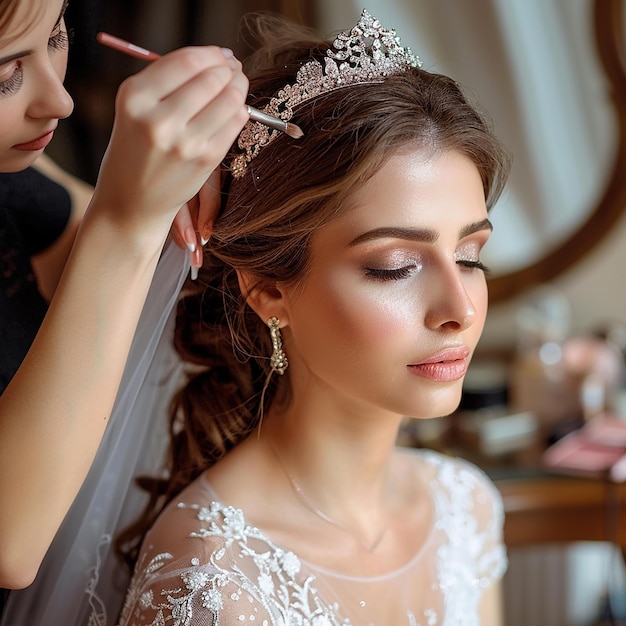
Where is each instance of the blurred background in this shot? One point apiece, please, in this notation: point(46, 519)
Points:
point(551, 75)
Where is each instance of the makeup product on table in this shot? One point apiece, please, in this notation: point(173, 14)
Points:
point(599, 448)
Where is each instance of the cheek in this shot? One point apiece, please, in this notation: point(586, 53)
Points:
point(480, 300)
point(11, 132)
point(368, 311)
point(11, 113)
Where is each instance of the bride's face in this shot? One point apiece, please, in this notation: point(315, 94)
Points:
point(396, 298)
point(32, 69)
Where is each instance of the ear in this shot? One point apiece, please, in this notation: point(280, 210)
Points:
point(265, 298)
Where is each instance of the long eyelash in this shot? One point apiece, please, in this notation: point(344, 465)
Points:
point(61, 40)
point(13, 84)
point(395, 274)
point(474, 265)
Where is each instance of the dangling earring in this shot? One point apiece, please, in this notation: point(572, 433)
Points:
point(279, 358)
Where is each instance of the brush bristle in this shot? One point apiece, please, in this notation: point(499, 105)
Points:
point(295, 132)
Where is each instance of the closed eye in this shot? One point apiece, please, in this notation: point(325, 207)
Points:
point(391, 274)
point(467, 263)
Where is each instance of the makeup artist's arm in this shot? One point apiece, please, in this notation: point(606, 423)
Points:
point(174, 122)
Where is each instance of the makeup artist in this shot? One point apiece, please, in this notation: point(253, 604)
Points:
point(174, 122)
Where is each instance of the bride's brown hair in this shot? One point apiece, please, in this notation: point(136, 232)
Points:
point(291, 189)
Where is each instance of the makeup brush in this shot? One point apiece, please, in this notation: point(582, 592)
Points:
point(294, 131)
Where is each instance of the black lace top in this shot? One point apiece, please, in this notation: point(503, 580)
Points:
point(34, 212)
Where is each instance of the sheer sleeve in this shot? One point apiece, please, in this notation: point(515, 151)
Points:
point(489, 510)
point(201, 566)
point(476, 519)
point(164, 591)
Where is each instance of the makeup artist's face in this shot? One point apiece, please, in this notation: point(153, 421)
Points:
point(396, 298)
point(32, 69)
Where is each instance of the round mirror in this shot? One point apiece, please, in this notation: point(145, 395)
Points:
point(598, 189)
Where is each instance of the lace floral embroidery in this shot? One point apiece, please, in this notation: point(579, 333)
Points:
point(467, 564)
point(275, 587)
point(248, 579)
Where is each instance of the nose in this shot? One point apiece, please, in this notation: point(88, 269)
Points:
point(450, 305)
point(50, 99)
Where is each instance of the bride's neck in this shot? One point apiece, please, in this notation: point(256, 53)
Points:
point(337, 463)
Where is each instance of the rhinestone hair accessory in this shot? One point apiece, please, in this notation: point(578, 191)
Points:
point(366, 54)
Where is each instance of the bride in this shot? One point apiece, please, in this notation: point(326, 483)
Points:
point(342, 290)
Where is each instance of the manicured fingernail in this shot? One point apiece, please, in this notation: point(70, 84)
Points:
point(190, 239)
point(193, 272)
point(228, 53)
point(205, 235)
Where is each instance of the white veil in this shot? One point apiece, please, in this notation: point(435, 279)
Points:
point(81, 582)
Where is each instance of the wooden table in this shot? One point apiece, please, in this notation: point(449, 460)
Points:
point(545, 507)
point(558, 509)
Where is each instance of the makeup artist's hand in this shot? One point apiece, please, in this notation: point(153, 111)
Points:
point(174, 122)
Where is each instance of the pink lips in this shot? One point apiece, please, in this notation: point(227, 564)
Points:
point(36, 144)
point(445, 366)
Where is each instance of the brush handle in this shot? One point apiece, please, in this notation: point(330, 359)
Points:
point(268, 120)
point(125, 46)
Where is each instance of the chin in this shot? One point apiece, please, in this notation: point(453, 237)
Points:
point(443, 404)
point(434, 416)
point(20, 164)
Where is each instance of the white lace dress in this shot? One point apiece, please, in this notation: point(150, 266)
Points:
point(203, 564)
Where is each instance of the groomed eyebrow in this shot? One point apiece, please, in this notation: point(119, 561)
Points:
point(425, 235)
point(25, 53)
point(475, 227)
point(411, 234)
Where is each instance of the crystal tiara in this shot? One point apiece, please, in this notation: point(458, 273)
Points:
point(366, 54)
